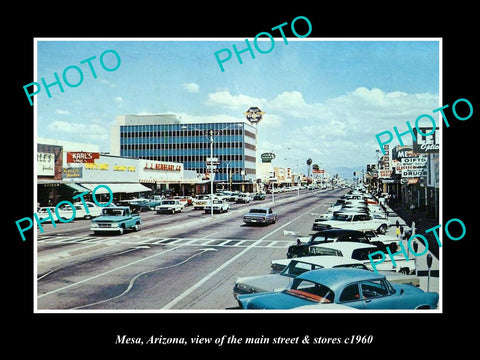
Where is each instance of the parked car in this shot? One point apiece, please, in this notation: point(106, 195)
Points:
point(259, 196)
point(325, 236)
point(115, 219)
point(388, 240)
point(354, 221)
point(218, 205)
point(184, 200)
point(260, 215)
point(360, 289)
point(293, 268)
point(360, 252)
point(243, 198)
point(331, 261)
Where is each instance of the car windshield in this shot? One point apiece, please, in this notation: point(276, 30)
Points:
point(112, 212)
point(318, 250)
point(311, 291)
point(261, 211)
point(342, 217)
point(296, 268)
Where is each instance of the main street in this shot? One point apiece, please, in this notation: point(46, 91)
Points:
point(181, 261)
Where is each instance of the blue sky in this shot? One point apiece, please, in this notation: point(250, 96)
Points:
point(322, 99)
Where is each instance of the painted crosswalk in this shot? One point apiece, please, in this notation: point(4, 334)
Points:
point(138, 240)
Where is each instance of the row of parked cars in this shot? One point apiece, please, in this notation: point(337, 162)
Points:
point(331, 269)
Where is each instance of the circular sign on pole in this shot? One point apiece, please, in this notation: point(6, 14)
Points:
point(267, 157)
point(254, 115)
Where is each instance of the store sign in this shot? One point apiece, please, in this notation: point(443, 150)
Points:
point(163, 167)
point(254, 115)
point(82, 157)
point(94, 166)
point(414, 173)
point(45, 164)
point(413, 167)
point(124, 168)
point(426, 144)
point(70, 173)
point(384, 173)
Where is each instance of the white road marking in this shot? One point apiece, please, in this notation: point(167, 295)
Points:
point(227, 263)
point(107, 272)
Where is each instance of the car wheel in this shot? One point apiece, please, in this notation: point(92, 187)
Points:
point(120, 231)
point(135, 228)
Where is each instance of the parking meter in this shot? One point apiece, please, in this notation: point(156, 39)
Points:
point(429, 261)
point(429, 265)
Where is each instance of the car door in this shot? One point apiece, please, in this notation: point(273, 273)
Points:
point(376, 294)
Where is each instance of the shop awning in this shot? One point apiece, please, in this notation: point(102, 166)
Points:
point(76, 187)
point(117, 188)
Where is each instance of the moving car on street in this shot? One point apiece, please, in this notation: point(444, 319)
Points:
point(259, 196)
point(360, 289)
point(171, 206)
point(200, 202)
point(219, 206)
point(260, 215)
point(243, 198)
point(116, 219)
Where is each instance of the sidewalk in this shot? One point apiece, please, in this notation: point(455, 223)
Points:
point(422, 223)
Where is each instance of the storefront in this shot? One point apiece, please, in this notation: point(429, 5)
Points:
point(120, 174)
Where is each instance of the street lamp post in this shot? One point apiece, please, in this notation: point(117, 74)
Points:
point(211, 170)
point(211, 133)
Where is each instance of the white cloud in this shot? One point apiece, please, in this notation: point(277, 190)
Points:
point(234, 102)
point(62, 112)
point(191, 87)
point(340, 131)
point(84, 132)
point(118, 99)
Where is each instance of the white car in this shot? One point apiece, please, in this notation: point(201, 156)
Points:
point(66, 212)
point(388, 240)
point(352, 220)
point(219, 206)
point(243, 198)
point(42, 213)
point(200, 202)
point(359, 251)
point(93, 208)
point(169, 206)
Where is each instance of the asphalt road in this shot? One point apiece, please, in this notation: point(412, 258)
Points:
point(181, 261)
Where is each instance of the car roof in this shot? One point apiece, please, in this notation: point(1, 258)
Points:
point(326, 260)
point(345, 245)
point(336, 232)
point(337, 278)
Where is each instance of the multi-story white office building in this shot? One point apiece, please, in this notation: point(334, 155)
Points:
point(169, 138)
